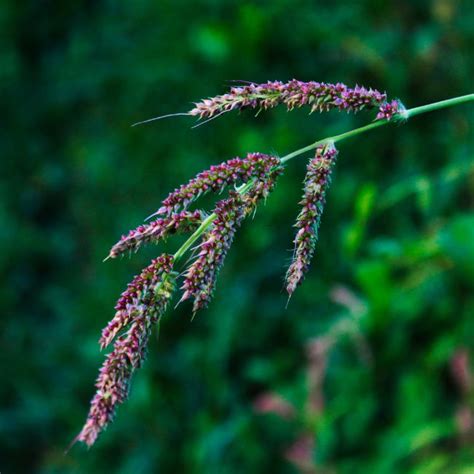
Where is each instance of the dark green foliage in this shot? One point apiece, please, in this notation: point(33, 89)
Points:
point(397, 234)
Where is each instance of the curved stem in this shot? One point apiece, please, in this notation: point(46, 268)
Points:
point(194, 236)
point(439, 105)
point(336, 138)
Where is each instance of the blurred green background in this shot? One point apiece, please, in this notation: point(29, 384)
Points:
point(368, 369)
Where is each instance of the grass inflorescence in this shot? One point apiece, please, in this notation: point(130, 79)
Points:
point(246, 181)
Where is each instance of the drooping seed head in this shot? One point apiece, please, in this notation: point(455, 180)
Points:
point(200, 277)
point(316, 183)
point(146, 299)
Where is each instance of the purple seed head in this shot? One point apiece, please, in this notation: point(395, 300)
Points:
point(144, 301)
point(319, 96)
point(316, 183)
point(217, 177)
point(200, 277)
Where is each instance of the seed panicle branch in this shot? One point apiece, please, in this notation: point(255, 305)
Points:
point(250, 180)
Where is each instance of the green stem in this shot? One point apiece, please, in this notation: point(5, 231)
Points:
point(194, 236)
point(336, 138)
point(439, 105)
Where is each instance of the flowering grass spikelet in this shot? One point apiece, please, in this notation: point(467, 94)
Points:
point(200, 278)
point(251, 179)
point(316, 182)
point(216, 178)
point(388, 109)
point(144, 301)
point(319, 96)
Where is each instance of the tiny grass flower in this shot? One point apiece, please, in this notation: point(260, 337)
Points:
point(388, 109)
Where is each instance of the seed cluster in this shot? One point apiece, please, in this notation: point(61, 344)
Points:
point(388, 109)
point(144, 301)
point(199, 280)
point(319, 96)
point(216, 178)
point(316, 182)
point(146, 297)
